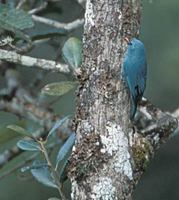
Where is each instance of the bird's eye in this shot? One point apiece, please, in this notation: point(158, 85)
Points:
point(130, 43)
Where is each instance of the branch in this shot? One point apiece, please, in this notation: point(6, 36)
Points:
point(155, 125)
point(28, 61)
point(67, 26)
point(23, 109)
point(15, 99)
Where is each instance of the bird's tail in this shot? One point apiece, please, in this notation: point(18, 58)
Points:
point(133, 107)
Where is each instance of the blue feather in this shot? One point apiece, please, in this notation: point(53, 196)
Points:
point(134, 71)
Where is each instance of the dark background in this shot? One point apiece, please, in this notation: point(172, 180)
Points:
point(159, 32)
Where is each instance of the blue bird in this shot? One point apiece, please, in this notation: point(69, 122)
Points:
point(134, 72)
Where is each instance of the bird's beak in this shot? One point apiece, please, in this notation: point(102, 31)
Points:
point(127, 40)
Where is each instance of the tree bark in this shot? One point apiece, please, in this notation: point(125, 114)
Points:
point(108, 157)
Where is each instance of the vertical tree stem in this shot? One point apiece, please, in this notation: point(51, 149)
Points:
point(102, 160)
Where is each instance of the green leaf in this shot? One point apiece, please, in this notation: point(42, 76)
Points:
point(28, 145)
point(57, 125)
point(72, 52)
point(19, 130)
point(43, 175)
point(65, 149)
point(15, 20)
point(58, 89)
point(6, 135)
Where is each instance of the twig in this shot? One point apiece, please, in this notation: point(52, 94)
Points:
point(38, 9)
point(19, 5)
point(40, 41)
point(67, 26)
point(28, 61)
point(29, 111)
point(55, 175)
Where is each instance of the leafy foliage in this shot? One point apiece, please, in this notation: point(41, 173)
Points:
point(65, 149)
point(19, 130)
point(28, 145)
point(72, 52)
point(11, 4)
point(44, 171)
point(42, 174)
point(58, 89)
point(15, 20)
point(58, 124)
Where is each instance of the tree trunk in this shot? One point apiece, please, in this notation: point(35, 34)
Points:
point(102, 161)
point(108, 157)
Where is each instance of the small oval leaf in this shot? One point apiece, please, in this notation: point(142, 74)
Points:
point(57, 125)
point(65, 149)
point(72, 52)
point(43, 175)
point(58, 89)
point(28, 145)
point(19, 130)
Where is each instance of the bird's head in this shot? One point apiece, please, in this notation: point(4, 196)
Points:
point(134, 45)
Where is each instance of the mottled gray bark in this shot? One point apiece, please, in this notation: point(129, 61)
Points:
point(108, 157)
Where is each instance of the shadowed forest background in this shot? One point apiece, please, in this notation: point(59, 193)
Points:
point(159, 32)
